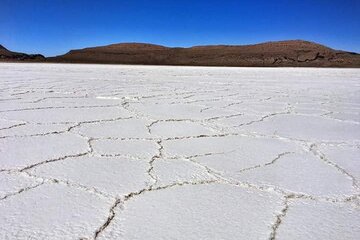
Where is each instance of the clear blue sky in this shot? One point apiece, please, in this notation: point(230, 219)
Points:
point(53, 27)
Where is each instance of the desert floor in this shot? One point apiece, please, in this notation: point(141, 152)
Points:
point(151, 152)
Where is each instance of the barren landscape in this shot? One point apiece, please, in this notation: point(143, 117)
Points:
point(291, 53)
point(165, 152)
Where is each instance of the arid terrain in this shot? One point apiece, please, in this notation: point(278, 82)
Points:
point(294, 53)
point(186, 153)
point(272, 54)
point(9, 56)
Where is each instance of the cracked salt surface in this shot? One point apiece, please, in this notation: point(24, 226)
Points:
point(25, 151)
point(308, 219)
point(145, 152)
point(196, 212)
point(52, 211)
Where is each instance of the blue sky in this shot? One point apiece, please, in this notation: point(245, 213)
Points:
point(53, 27)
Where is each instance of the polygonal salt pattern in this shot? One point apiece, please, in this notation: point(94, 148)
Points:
point(154, 152)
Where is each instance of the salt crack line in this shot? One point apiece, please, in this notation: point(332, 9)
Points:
point(13, 126)
point(314, 149)
point(67, 183)
point(22, 190)
point(280, 217)
point(90, 151)
point(109, 219)
point(60, 107)
point(285, 192)
point(263, 118)
point(159, 155)
point(266, 164)
point(69, 129)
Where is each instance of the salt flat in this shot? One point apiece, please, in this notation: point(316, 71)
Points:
point(151, 152)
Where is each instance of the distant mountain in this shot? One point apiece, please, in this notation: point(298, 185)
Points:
point(6, 55)
point(294, 53)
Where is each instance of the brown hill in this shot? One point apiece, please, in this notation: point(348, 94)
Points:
point(294, 53)
point(6, 55)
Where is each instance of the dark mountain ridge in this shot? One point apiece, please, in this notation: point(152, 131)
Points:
point(7, 55)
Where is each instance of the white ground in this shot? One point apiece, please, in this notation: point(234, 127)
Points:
point(134, 152)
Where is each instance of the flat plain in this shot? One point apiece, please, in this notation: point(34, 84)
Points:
point(153, 152)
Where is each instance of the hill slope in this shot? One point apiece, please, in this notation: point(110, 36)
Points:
point(6, 55)
point(294, 53)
